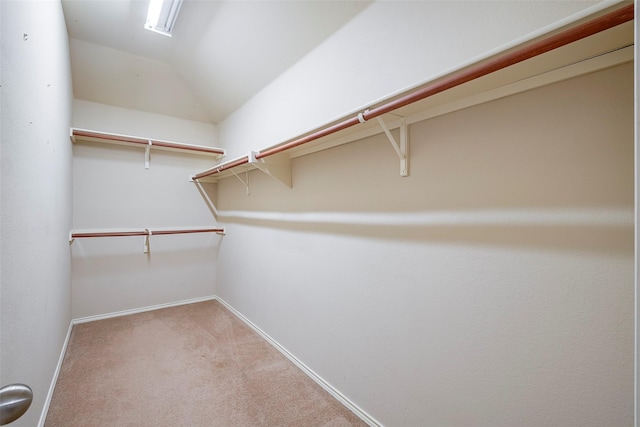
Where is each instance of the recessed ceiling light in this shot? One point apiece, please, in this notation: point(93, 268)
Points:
point(162, 15)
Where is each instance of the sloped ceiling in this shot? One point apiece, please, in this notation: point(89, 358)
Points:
point(221, 52)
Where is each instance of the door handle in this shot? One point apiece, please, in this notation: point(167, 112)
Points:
point(15, 399)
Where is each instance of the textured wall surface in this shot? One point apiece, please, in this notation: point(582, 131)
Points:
point(493, 286)
point(35, 293)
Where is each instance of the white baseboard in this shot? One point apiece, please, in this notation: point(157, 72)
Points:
point(319, 380)
point(140, 310)
point(54, 380)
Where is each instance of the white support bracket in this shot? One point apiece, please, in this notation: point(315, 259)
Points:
point(147, 155)
point(146, 240)
point(246, 183)
point(277, 166)
point(400, 149)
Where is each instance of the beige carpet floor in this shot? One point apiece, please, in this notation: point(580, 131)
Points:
point(192, 365)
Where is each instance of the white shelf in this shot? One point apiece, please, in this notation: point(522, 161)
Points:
point(146, 233)
point(78, 234)
point(606, 48)
point(79, 135)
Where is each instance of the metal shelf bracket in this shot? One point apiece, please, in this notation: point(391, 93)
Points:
point(277, 166)
point(401, 149)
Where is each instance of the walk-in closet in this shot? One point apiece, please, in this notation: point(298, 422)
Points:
point(331, 214)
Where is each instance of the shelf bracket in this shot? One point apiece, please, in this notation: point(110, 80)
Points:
point(146, 240)
point(277, 166)
point(245, 183)
point(401, 149)
point(147, 155)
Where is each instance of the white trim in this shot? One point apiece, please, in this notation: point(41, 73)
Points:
point(319, 380)
point(140, 310)
point(54, 380)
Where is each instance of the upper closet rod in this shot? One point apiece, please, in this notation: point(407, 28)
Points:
point(605, 22)
point(145, 232)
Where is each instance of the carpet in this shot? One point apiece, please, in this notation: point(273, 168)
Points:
point(190, 365)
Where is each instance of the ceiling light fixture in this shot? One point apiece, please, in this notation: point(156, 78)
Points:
point(162, 15)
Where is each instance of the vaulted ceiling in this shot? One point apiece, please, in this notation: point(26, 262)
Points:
point(221, 53)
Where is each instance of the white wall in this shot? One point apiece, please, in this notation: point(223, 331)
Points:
point(387, 47)
point(36, 196)
point(113, 190)
point(494, 286)
point(107, 118)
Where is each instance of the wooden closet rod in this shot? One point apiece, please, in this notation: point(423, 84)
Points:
point(605, 22)
point(145, 233)
point(145, 142)
point(202, 230)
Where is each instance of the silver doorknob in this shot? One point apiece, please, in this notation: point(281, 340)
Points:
point(15, 399)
